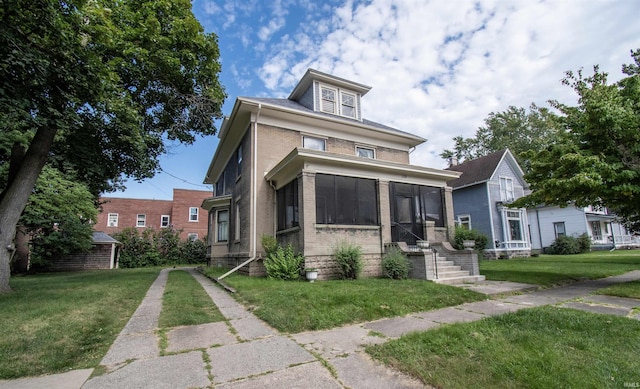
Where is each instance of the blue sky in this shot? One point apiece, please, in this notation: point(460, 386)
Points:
point(436, 69)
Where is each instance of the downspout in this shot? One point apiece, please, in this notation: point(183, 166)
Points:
point(254, 194)
point(539, 230)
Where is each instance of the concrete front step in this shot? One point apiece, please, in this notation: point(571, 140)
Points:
point(445, 269)
point(459, 280)
point(445, 263)
point(452, 274)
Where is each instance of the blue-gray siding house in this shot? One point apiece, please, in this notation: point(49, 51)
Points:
point(481, 198)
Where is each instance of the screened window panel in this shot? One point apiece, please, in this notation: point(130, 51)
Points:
point(346, 200)
point(287, 202)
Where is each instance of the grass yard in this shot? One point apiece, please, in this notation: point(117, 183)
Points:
point(297, 306)
point(185, 302)
point(628, 289)
point(543, 347)
point(56, 322)
point(553, 270)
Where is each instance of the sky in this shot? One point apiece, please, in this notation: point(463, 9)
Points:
point(436, 68)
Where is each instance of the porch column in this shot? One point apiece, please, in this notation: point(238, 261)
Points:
point(307, 211)
point(385, 211)
point(448, 212)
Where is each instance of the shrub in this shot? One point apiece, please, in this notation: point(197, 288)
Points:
point(349, 257)
point(395, 264)
point(584, 243)
point(193, 251)
point(564, 245)
point(269, 243)
point(283, 264)
point(463, 234)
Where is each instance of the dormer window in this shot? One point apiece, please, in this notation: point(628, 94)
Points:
point(328, 101)
point(338, 102)
point(348, 106)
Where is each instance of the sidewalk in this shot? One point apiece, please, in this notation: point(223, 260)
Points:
point(244, 352)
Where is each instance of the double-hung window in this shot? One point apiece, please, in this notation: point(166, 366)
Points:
point(348, 104)
point(328, 99)
point(112, 220)
point(164, 221)
point(559, 229)
point(193, 214)
point(464, 221)
point(141, 220)
point(222, 221)
point(506, 189)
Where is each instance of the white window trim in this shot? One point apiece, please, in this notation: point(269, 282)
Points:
point(506, 233)
point(162, 220)
point(373, 150)
point(192, 236)
point(508, 189)
point(324, 141)
point(115, 223)
point(144, 220)
point(197, 215)
point(460, 217)
point(339, 92)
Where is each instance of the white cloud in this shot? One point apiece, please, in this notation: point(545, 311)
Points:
point(438, 69)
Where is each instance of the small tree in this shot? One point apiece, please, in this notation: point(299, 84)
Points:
point(349, 257)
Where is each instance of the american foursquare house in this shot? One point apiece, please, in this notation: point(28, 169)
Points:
point(311, 171)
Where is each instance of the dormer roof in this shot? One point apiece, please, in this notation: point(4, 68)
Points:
point(315, 75)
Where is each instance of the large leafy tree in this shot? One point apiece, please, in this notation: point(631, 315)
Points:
point(596, 161)
point(95, 88)
point(58, 217)
point(516, 128)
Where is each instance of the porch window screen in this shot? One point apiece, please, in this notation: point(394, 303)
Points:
point(287, 200)
point(346, 200)
point(417, 203)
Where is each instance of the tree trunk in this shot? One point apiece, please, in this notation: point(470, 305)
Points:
point(16, 195)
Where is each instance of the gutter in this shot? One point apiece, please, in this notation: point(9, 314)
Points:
point(254, 194)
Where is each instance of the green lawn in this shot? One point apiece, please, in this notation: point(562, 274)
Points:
point(296, 306)
point(552, 270)
point(61, 321)
point(628, 289)
point(185, 302)
point(543, 347)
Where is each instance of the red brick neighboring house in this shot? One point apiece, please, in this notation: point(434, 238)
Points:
point(184, 213)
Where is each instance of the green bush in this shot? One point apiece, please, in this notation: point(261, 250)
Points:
point(567, 245)
point(584, 243)
point(395, 264)
point(148, 247)
point(349, 257)
point(462, 234)
point(284, 264)
point(269, 243)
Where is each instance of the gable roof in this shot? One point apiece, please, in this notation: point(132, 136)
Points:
point(480, 170)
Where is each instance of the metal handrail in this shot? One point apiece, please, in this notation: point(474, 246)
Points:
point(404, 229)
point(434, 252)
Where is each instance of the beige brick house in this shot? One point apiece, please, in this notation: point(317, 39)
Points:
point(311, 171)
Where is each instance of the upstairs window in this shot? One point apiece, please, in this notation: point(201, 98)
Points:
point(141, 220)
point(348, 104)
point(365, 152)
point(328, 100)
point(112, 220)
point(220, 187)
point(309, 142)
point(193, 214)
point(164, 221)
point(506, 189)
point(239, 161)
point(338, 102)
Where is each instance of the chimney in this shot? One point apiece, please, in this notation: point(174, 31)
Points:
point(453, 161)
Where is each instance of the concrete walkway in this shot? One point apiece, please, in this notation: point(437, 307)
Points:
point(244, 352)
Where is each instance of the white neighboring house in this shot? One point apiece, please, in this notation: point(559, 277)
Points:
point(546, 223)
